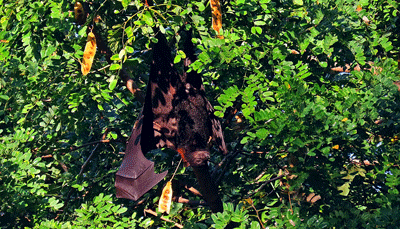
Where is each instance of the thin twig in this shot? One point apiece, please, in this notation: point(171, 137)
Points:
point(225, 162)
point(96, 142)
point(80, 173)
point(258, 216)
point(259, 176)
point(176, 169)
point(265, 183)
point(162, 218)
point(87, 160)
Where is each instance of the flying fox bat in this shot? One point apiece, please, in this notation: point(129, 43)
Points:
point(176, 115)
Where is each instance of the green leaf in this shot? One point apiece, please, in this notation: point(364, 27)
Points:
point(323, 64)
point(244, 140)
point(115, 67)
point(148, 18)
point(82, 32)
point(201, 6)
point(177, 59)
point(125, 3)
point(364, 2)
point(345, 188)
point(113, 82)
point(298, 2)
point(121, 54)
point(259, 23)
point(255, 225)
point(181, 53)
point(4, 97)
point(115, 57)
point(262, 133)
point(122, 210)
point(129, 49)
point(277, 54)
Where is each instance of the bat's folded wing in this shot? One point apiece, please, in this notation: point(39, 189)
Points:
point(136, 175)
point(133, 188)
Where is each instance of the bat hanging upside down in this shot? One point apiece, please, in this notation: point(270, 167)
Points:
point(176, 115)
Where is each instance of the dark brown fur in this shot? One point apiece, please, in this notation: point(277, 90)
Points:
point(176, 115)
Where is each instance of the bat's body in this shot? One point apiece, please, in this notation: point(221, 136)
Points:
point(176, 115)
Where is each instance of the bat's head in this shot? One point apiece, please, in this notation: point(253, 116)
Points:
point(197, 158)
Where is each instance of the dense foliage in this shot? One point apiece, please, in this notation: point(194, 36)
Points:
point(331, 137)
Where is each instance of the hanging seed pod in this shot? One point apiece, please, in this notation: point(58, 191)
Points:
point(216, 16)
point(164, 205)
point(88, 54)
point(80, 16)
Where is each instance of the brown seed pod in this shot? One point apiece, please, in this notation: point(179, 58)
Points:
point(216, 16)
point(164, 205)
point(80, 16)
point(88, 54)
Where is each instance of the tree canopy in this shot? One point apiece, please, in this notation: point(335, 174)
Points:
point(306, 91)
